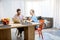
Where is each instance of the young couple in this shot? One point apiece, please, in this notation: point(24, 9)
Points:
point(19, 16)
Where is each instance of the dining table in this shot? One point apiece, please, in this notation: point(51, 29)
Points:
point(29, 30)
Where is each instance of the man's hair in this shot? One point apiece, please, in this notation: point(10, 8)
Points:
point(18, 10)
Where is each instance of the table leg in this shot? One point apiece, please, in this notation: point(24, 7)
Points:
point(29, 33)
point(5, 34)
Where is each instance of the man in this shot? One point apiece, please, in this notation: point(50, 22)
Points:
point(17, 19)
point(33, 17)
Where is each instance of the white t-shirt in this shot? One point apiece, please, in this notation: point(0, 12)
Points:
point(17, 18)
point(20, 17)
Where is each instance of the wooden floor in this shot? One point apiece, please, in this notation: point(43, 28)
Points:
point(48, 35)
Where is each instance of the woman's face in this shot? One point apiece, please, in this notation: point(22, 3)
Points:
point(31, 13)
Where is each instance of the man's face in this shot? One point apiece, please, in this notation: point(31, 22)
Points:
point(19, 12)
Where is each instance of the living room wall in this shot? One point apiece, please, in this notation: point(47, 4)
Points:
point(45, 8)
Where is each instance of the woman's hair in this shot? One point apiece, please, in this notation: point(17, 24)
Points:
point(32, 10)
point(18, 10)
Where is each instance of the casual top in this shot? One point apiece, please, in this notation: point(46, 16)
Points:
point(17, 18)
point(34, 19)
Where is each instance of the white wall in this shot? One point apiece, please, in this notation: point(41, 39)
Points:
point(45, 8)
point(8, 7)
point(57, 14)
point(42, 7)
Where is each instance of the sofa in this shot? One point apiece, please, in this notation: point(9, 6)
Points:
point(48, 22)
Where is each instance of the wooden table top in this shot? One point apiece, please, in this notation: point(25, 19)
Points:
point(12, 25)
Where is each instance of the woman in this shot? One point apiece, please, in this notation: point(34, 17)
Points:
point(33, 17)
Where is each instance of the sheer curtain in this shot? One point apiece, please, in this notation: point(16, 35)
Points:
point(57, 13)
point(8, 7)
point(42, 7)
point(33, 5)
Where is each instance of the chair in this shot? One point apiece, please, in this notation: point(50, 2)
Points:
point(17, 32)
point(16, 21)
point(40, 28)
